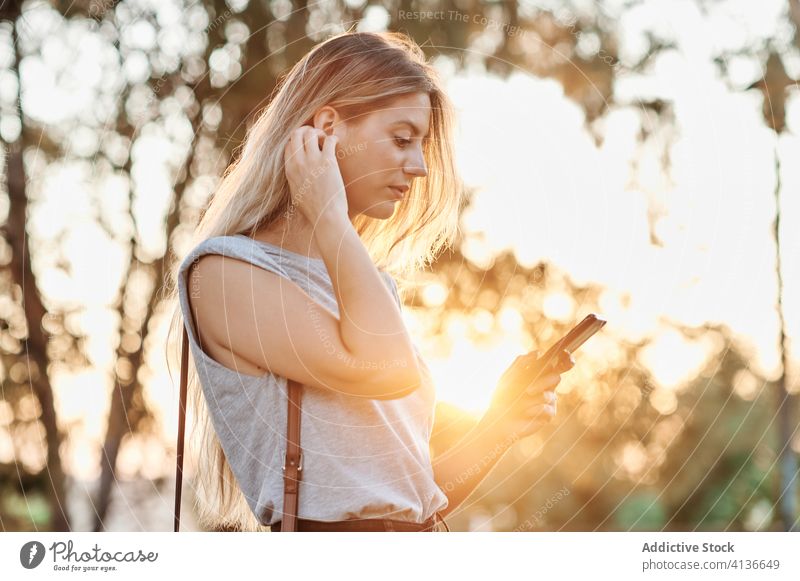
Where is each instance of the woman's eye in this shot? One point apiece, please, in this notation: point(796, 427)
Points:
point(401, 141)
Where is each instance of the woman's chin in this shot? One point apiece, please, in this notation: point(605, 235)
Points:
point(381, 211)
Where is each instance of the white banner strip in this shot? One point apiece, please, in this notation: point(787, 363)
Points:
point(403, 556)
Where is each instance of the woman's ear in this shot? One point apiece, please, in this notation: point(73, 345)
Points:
point(328, 120)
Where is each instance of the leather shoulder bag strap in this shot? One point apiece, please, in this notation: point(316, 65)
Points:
point(293, 461)
point(181, 427)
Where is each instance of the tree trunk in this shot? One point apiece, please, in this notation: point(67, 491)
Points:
point(119, 418)
point(35, 344)
point(787, 428)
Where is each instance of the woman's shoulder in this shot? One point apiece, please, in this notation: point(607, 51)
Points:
point(242, 249)
point(225, 241)
point(233, 244)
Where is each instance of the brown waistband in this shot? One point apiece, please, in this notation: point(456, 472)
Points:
point(364, 525)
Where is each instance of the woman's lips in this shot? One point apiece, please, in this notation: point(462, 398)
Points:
point(398, 193)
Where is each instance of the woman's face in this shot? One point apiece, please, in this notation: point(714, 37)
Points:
point(380, 150)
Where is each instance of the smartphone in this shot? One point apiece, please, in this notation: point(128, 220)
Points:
point(575, 338)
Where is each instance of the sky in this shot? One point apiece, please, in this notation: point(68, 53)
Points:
point(545, 190)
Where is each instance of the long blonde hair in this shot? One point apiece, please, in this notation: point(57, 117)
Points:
point(356, 73)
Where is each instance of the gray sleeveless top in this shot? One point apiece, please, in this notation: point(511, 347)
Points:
point(362, 458)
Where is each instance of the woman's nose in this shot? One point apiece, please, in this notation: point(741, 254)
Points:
point(416, 167)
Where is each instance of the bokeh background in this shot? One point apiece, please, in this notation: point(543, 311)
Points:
point(639, 159)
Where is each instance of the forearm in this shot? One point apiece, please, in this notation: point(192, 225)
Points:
point(370, 321)
point(459, 470)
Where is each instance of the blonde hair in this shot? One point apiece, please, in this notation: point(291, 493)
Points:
point(356, 73)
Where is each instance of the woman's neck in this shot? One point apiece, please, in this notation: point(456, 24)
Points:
point(293, 233)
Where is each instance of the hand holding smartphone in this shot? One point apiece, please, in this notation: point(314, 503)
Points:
point(576, 337)
point(525, 399)
point(532, 372)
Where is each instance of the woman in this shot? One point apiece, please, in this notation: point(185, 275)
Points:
point(346, 182)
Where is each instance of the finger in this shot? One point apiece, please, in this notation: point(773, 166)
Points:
point(329, 145)
point(549, 408)
point(539, 401)
point(545, 383)
point(566, 361)
point(322, 137)
point(560, 362)
point(310, 140)
point(294, 146)
point(549, 397)
point(300, 138)
point(542, 412)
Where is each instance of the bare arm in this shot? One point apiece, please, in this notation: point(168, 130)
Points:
point(269, 321)
point(459, 470)
point(370, 322)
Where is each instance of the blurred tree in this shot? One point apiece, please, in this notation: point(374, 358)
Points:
point(628, 454)
point(775, 85)
point(26, 351)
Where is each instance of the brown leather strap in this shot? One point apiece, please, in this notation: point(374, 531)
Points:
point(181, 427)
point(363, 525)
point(293, 461)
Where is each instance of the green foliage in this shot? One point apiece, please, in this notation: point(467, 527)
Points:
point(30, 511)
point(642, 511)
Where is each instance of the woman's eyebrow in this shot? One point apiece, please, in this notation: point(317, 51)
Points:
point(410, 123)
